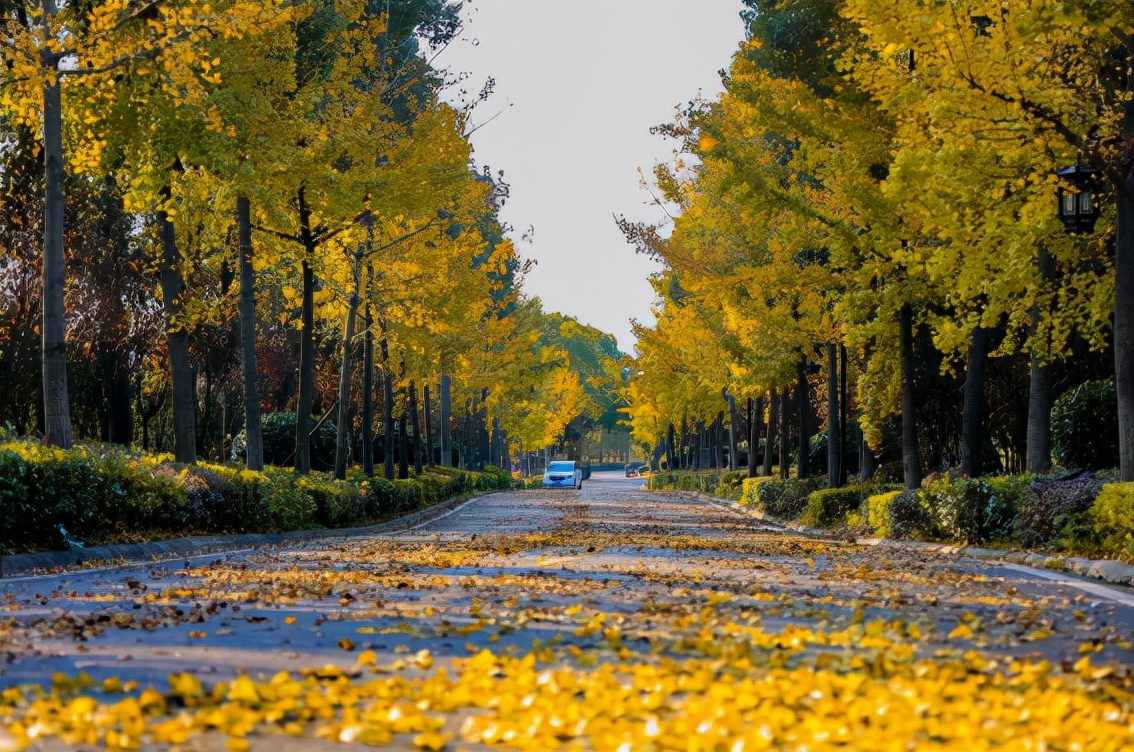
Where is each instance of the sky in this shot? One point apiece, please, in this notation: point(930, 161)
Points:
point(578, 84)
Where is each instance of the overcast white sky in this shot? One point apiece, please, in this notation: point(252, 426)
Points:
point(579, 83)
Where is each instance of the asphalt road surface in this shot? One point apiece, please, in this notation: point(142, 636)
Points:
point(609, 574)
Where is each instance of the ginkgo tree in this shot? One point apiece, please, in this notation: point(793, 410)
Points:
point(85, 49)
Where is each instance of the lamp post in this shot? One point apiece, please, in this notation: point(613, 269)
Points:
point(1077, 207)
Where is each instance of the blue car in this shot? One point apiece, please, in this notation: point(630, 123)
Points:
point(563, 474)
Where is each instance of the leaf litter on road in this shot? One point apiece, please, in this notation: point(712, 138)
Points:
point(699, 634)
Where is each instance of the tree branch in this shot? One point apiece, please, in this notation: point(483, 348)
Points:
point(278, 234)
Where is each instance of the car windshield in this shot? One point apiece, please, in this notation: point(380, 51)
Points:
point(561, 467)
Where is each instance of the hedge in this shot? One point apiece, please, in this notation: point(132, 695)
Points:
point(53, 499)
point(829, 507)
point(724, 484)
point(786, 499)
point(1111, 523)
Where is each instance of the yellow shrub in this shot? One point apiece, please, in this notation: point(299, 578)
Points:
point(878, 512)
point(748, 493)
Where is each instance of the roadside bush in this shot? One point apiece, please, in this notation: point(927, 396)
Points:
point(496, 477)
point(786, 499)
point(1084, 427)
point(730, 484)
point(291, 507)
point(876, 512)
point(1112, 516)
point(703, 481)
point(245, 506)
point(1052, 508)
point(829, 507)
point(909, 519)
point(405, 495)
point(974, 510)
point(749, 490)
point(337, 503)
point(51, 499)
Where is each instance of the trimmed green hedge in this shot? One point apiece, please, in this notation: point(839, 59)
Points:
point(724, 484)
point(786, 499)
point(51, 499)
point(829, 507)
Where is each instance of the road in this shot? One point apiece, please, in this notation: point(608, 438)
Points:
point(606, 618)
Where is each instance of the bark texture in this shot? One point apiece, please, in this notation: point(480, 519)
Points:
point(254, 437)
point(911, 456)
point(56, 399)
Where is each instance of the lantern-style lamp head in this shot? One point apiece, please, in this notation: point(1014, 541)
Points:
point(1078, 207)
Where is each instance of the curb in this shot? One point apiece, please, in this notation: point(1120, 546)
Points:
point(1108, 570)
point(136, 553)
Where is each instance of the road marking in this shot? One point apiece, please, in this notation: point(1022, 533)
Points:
point(454, 510)
point(125, 566)
point(1108, 592)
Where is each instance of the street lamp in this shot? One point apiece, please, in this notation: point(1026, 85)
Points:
point(1077, 207)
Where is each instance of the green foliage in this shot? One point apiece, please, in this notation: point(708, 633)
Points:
point(1112, 518)
point(828, 507)
point(51, 499)
point(975, 510)
point(1053, 509)
point(337, 503)
point(1084, 426)
point(291, 507)
point(909, 518)
point(750, 488)
point(246, 500)
point(727, 484)
point(731, 484)
point(279, 442)
point(786, 499)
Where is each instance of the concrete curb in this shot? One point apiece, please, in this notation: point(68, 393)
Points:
point(1107, 570)
point(133, 553)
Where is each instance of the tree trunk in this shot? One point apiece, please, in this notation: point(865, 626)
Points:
point(670, 447)
point(306, 343)
point(56, 401)
point(444, 431)
point(417, 460)
point(732, 419)
point(911, 457)
point(754, 436)
point(865, 461)
point(843, 415)
point(368, 395)
point(975, 407)
point(770, 434)
point(428, 407)
point(834, 441)
point(387, 407)
point(1040, 384)
point(121, 404)
point(403, 445)
point(177, 338)
point(1124, 312)
point(483, 449)
point(254, 437)
point(803, 464)
point(785, 433)
point(344, 376)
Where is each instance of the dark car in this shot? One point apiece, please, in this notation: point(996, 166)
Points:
point(634, 469)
